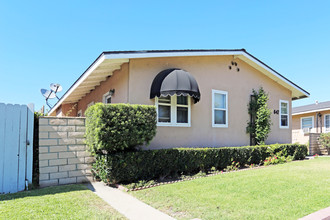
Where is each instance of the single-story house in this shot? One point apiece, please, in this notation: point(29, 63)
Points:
point(201, 96)
point(306, 119)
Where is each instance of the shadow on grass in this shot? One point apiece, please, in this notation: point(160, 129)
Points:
point(43, 191)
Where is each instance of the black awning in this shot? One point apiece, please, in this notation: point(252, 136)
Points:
point(175, 81)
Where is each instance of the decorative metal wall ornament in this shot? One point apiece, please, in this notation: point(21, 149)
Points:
point(233, 65)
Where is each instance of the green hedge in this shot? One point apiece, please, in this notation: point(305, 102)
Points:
point(119, 127)
point(153, 164)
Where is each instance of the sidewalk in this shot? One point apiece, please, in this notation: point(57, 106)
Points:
point(126, 204)
point(323, 214)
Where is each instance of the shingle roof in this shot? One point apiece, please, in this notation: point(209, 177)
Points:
point(311, 108)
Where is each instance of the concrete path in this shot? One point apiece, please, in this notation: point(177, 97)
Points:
point(126, 204)
point(323, 214)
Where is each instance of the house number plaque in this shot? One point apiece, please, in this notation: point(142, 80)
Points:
point(276, 112)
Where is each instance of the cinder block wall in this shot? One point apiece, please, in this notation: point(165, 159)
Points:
point(63, 158)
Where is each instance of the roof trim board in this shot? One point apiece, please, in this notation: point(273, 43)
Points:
point(120, 57)
point(311, 111)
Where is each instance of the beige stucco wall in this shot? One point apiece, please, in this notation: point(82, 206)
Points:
point(298, 135)
point(133, 81)
point(211, 73)
point(118, 81)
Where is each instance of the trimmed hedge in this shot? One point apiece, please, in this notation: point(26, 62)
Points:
point(119, 127)
point(153, 164)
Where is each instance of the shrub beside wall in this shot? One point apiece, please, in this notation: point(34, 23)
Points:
point(119, 127)
point(153, 164)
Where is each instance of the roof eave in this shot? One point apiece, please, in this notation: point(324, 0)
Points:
point(175, 53)
point(311, 111)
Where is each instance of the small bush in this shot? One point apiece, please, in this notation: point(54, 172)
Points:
point(153, 164)
point(278, 158)
point(324, 140)
point(119, 127)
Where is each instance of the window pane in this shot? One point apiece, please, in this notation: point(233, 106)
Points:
point(164, 113)
point(327, 121)
point(219, 117)
point(284, 120)
point(307, 123)
point(182, 115)
point(108, 100)
point(284, 108)
point(219, 100)
point(166, 99)
point(182, 100)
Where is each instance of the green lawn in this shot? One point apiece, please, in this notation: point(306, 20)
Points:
point(60, 202)
point(286, 191)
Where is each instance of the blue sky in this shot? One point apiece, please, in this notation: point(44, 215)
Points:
point(55, 41)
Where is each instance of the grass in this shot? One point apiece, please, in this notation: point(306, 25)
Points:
point(60, 202)
point(286, 191)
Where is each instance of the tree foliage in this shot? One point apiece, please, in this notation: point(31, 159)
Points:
point(259, 125)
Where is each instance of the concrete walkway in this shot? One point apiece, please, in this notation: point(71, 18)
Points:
point(323, 214)
point(126, 204)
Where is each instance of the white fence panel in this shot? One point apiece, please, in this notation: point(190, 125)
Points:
point(16, 147)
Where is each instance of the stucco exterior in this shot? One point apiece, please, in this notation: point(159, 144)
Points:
point(298, 135)
point(211, 73)
point(133, 81)
point(118, 81)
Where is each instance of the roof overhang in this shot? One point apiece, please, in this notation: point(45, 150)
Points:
point(108, 62)
point(311, 111)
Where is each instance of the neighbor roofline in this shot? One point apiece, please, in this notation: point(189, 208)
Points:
point(170, 53)
point(311, 111)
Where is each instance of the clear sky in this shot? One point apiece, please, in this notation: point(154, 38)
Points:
point(42, 42)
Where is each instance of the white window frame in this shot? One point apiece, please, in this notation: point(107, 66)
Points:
point(301, 120)
point(280, 113)
point(79, 112)
point(224, 109)
point(174, 106)
point(325, 128)
point(106, 96)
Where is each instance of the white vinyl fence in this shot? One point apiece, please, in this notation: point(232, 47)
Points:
point(16, 147)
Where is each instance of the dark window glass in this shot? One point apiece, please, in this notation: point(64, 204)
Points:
point(108, 100)
point(182, 100)
point(284, 120)
point(164, 113)
point(182, 115)
point(219, 117)
point(166, 99)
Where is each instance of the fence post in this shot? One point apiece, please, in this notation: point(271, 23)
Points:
point(29, 146)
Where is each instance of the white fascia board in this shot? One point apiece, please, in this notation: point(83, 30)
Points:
point(202, 53)
point(115, 56)
point(170, 54)
point(76, 84)
point(311, 111)
point(274, 73)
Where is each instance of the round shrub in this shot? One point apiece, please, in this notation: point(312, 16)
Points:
point(112, 128)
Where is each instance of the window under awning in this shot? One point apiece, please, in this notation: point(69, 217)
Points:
point(175, 82)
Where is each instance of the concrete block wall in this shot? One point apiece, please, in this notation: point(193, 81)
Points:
point(63, 158)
